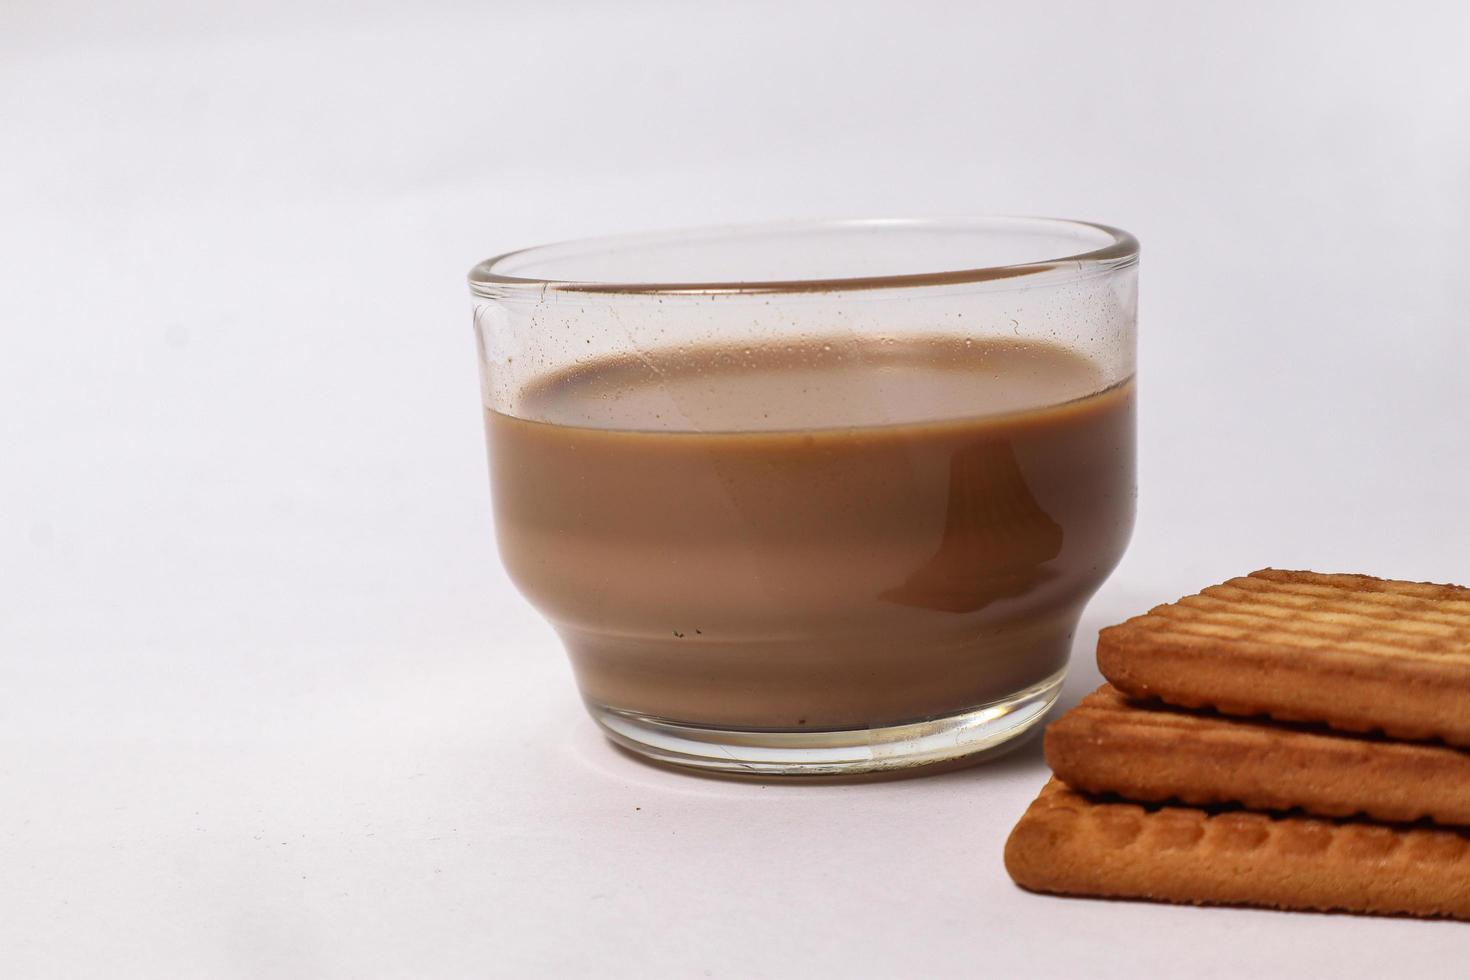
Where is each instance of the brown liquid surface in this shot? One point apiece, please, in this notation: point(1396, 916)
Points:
point(830, 535)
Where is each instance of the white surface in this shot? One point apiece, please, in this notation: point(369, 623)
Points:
point(268, 707)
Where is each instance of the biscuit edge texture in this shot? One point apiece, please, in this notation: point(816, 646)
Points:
point(1069, 844)
point(1393, 656)
point(1153, 754)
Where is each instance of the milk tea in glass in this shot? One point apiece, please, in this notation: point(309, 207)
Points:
point(814, 499)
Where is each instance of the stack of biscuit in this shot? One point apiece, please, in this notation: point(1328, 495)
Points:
point(1287, 739)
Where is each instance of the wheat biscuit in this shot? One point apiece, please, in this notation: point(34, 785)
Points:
point(1070, 844)
point(1357, 653)
point(1149, 753)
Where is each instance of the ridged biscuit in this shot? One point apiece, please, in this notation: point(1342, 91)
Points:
point(1108, 744)
point(1354, 652)
point(1069, 844)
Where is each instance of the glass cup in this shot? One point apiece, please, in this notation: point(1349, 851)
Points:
point(814, 499)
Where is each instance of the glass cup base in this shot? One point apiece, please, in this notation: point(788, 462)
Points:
point(967, 735)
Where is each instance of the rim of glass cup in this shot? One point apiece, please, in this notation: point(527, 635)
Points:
point(1118, 250)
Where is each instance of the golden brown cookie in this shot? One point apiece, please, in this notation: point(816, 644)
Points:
point(1358, 653)
point(1108, 744)
point(1070, 844)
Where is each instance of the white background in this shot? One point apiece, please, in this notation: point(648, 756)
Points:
point(268, 706)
